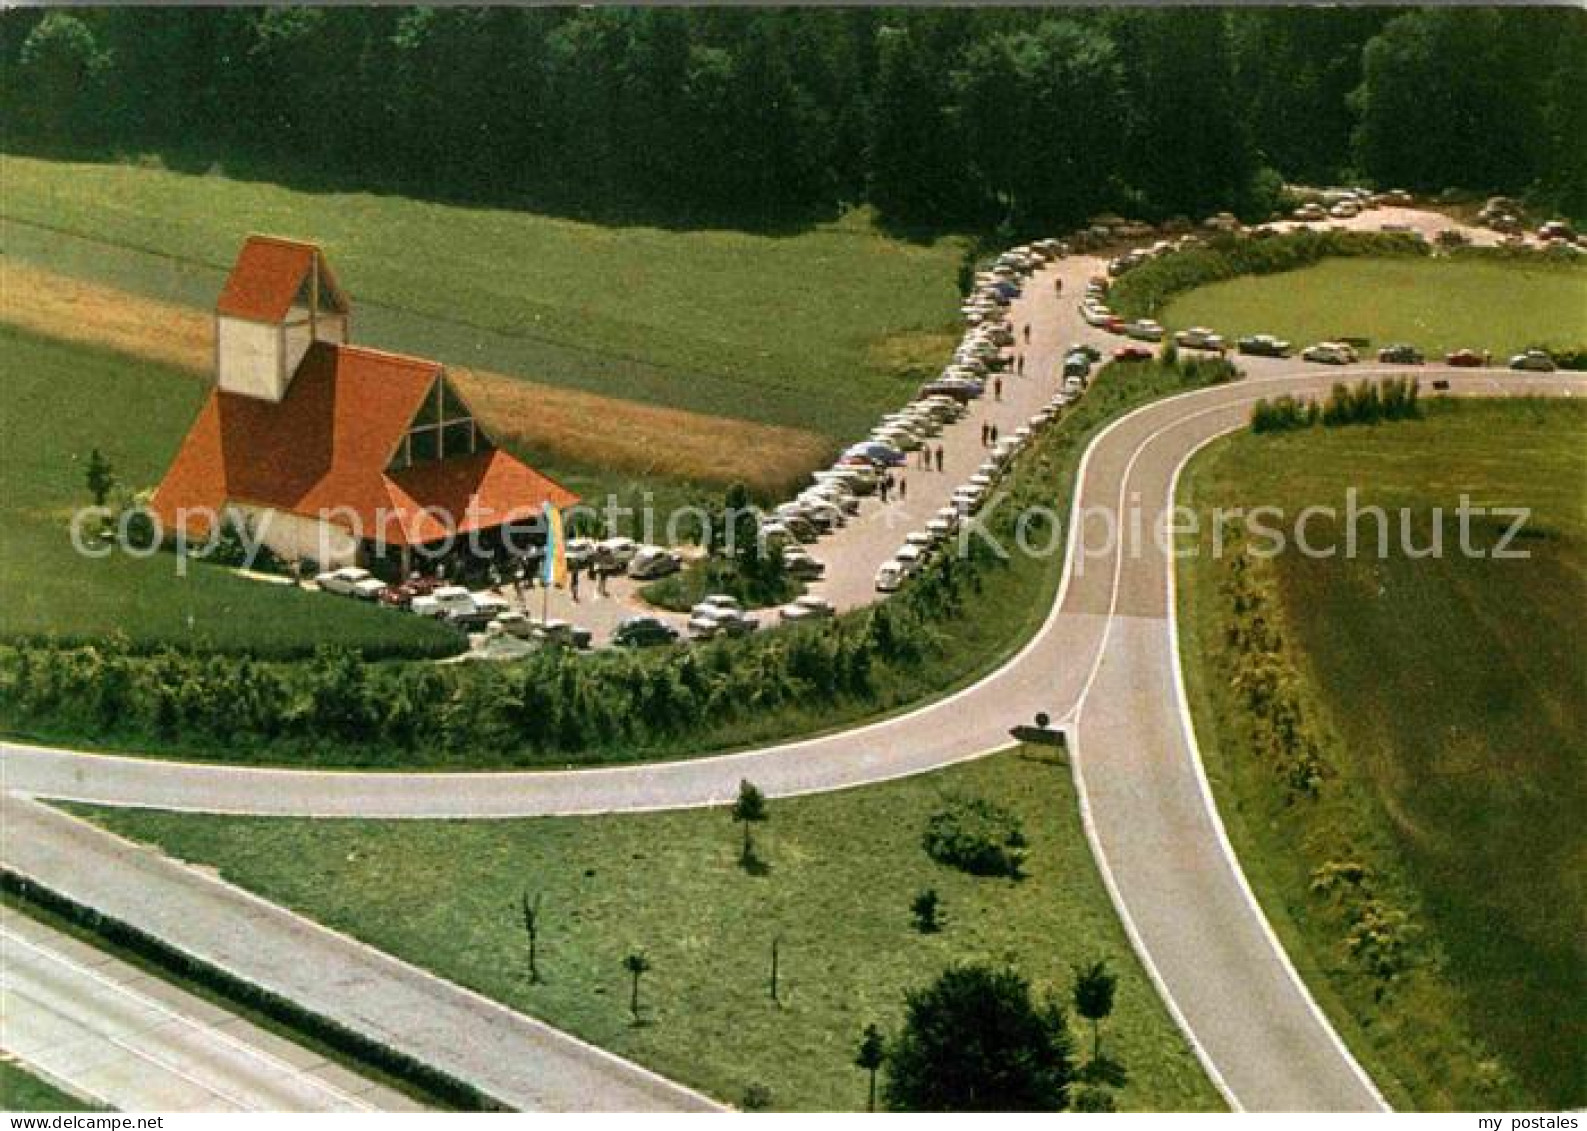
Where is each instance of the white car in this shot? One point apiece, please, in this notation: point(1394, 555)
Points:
point(342, 581)
point(717, 602)
point(890, 577)
point(619, 551)
point(579, 552)
point(709, 621)
point(808, 607)
point(369, 589)
point(448, 600)
point(1329, 353)
point(511, 623)
point(1144, 329)
point(940, 529)
point(911, 557)
point(651, 562)
point(1200, 338)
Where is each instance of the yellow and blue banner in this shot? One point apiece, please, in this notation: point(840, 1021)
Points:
point(554, 567)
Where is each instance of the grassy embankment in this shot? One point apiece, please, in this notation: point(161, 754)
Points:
point(1438, 304)
point(633, 353)
point(1431, 892)
point(840, 872)
point(410, 725)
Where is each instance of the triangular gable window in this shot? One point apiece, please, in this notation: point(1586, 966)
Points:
point(441, 429)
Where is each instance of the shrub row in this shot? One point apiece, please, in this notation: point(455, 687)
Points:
point(1393, 398)
point(1146, 289)
point(1378, 936)
point(183, 965)
point(1265, 676)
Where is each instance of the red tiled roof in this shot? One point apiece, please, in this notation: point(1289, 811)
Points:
point(322, 453)
point(267, 276)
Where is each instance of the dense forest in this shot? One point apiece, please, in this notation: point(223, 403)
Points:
point(938, 117)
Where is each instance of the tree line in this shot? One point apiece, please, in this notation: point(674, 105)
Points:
point(940, 118)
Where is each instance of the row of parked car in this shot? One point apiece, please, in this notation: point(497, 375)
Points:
point(983, 350)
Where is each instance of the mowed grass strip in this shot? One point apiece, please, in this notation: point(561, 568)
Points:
point(1439, 304)
point(768, 327)
point(1449, 695)
point(558, 426)
point(21, 1090)
point(841, 872)
point(63, 400)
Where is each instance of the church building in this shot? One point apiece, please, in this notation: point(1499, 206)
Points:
point(330, 452)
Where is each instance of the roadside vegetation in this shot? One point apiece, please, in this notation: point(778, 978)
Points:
point(21, 1090)
point(762, 967)
point(956, 621)
point(1394, 744)
point(65, 401)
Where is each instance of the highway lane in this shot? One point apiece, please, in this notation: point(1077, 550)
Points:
point(516, 1060)
point(114, 1034)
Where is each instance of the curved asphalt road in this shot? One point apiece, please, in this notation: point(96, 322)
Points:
point(1105, 661)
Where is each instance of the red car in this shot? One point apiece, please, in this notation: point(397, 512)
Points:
point(1132, 353)
point(1114, 325)
point(1465, 359)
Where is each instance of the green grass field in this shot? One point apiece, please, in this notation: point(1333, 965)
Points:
point(1448, 695)
point(842, 870)
point(799, 330)
point(1437, 304)
point(64, 400)
point(20, 1090)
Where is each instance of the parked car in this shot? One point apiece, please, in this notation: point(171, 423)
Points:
point(482, 608)
point(560, 633)
point(344, 581)
point(890, 577)
point(1464, 359)
point(1077, 365)
point(618, 552)
point(1330, 353)
point(1200, 338)
point(709, 620)
point(808, 607)
point(798, 564)
point(579, 552)
point(1264, 345)
point(643, 632)
point(512, 623)
point(1090, 352)
point(1132, 353)
point(1401, 354)
point(1143, 329)
point(650, 562)
point(877, 452)
point(1533, 361)
point(445, 600)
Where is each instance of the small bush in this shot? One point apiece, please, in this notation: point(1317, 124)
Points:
point(976, 836)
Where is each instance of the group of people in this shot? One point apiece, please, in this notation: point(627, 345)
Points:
point(988, 435)
point(896, 485)
point(929, 457)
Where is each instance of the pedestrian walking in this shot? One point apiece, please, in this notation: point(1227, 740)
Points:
point(885, 487)
point(601, 574)
point(903, 488)
point(573, 583)
point(997, 388)
point(984, 428)
point(1057, 286)
point(1027, 333)
point(992, 434)
point(939, 457)
point(1019, 365)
